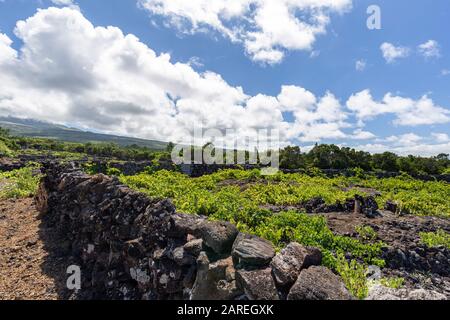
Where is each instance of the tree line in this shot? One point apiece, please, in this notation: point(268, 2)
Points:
point(340, 158)
point(320, 156)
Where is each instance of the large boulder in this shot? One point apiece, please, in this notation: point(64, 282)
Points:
point(184, 224)
point(215, 281)
point(366, 205)
point(291, 260)
point(217, 235)
point(257, 284)
point(318, 283)
point(252, 251)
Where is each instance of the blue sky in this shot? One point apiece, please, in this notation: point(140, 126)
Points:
point(327, 66)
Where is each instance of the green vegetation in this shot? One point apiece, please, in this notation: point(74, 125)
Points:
point(10, 145)
point(235, 195)
point(334, 157)
point(354, 276)
point(53, 138)
point(19, 183)
point(394, 282)
point(34, 128)
point(7, 145)
point(240, 197)
point(413, 196)
point(244, 198)
point(113, 172)
point(4, 150)
point(366, 233)
point(435, 239)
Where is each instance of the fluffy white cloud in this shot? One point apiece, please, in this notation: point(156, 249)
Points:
point(360, 65)
point(315, 119)
point(267, 28)
point(405, 140)
point(6, 52)
point(97, 77)
point(421, 149)
point(360, 134)
point(430, 49)
point(441, 137)
point(408, 112)
point(410, 143)
point(392, 53)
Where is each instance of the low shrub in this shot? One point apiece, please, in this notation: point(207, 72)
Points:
point(19, 183)
point(394, 282)
point(366, 233)
point(354, 276)
point(435, 239)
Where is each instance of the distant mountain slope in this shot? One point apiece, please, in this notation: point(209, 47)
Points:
point(34, 128)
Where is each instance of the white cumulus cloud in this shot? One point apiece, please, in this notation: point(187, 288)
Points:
point(360, 134)
point(69, 70)
point(408, 112)
point(430, 49)
point(267, 28)
point(391, 52)
point(360, 65)
point(441, 137)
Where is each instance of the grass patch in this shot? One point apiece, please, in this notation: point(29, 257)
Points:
point(354, 276)
point(394, 282)
point(19, 183)
point(366, 233)
point(4, 150)
point(435, 239)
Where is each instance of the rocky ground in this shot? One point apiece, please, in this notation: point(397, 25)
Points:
point(421, 267)
point(26, 269)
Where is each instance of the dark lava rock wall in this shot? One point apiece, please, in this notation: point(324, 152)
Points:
point(131, 247)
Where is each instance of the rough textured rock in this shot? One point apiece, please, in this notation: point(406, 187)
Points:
point(287, 264)
point(391, 206)
point(318, 283)
point(123, 241)
point(218, 235)
point(194, 247)
point(379, 292)
point(366, 205)
point(183, 224)
point(215, 281)
point(419, 258)
point(257, 284)
point(182, 257)
point(249, 250)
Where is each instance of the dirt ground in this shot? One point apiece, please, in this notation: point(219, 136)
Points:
point(397, 231)
point(26, 272)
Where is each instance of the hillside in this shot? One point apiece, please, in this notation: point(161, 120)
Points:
point(34, 128)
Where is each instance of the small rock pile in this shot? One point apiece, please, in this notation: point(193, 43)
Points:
point(359, 204)
point(131, 247)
